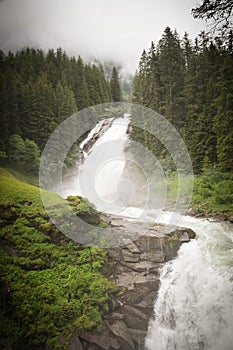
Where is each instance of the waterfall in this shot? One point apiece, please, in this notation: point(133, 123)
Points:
point(100, 176)
point(90, 135)
point(194, 308)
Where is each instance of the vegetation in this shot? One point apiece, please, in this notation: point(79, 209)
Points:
point(115, 87)
point(212, 193)
point(37, 92)
point(218, 11)
point(50, 285)
point(192, 86)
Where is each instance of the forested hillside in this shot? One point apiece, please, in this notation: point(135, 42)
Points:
point(38, 91)
point(191, 84)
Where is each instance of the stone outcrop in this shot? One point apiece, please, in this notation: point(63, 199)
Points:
point(99, 132)
point(135, 269)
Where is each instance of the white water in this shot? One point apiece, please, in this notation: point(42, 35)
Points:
point(90, 135)
point(194, 308)
point(101, 174)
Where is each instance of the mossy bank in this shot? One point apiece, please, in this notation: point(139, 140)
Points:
point(51, 286)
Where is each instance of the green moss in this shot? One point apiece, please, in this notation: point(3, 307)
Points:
point(84, 209)
point(172, 241)
point(49, 286)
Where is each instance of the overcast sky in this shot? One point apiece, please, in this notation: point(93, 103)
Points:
point(108, 29)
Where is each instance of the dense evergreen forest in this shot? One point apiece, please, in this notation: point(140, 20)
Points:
point(37, 92)
point(191, 84)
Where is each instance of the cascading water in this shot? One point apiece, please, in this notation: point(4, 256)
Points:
point(102, 172)
point(194, 307)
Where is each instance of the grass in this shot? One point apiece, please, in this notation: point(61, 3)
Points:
point(50, 285)
point(30, 179)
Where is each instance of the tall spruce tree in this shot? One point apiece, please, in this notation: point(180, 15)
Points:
point(115, 87)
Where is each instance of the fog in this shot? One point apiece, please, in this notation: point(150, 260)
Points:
point(106, 29)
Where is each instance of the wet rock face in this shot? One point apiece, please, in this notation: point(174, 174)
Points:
point(134, 268)
point(104, 127)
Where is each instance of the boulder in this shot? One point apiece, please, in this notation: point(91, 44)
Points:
point(75, 344)
point(122, 334)
point(130, 256)
point(104, 341)
point(134, 318)
point(138, 337)
point(149, 243)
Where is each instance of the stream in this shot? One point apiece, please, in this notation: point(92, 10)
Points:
point(194, 307)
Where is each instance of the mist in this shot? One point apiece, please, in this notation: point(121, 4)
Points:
point(108, 30)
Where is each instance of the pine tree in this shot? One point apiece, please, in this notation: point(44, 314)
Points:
point(172, 67)
point(65, 104)
point(42, 122)
point(223, 120)
point(81, 89)
point(115, 87)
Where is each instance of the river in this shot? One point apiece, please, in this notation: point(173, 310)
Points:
point(194, 307)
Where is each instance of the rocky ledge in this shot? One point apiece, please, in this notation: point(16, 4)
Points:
point(134, 268)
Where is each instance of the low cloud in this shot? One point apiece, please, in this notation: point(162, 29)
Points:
point(109, 30)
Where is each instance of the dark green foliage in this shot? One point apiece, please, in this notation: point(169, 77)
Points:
point(49, 286)
point(115, 87)
point(24, 155)
point(191, 85)
point(213, 193)
point(38, 91)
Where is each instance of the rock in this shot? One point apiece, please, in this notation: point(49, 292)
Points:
point(122, 334)
point(157, 257)
point(108, 269)
point(146, 305)
point(129, 279)
point(139, 292)
point(104, 340)
point(115, 254)
point(129, 129)
point(138, 337)
point(75, 344)
point(104, 127)
point(149, 243)
point(115, 316)
point(184, 237)
point(133, 248)
point(190, 233)
point(128, 256)
point(144, 267)
point(134, 318)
